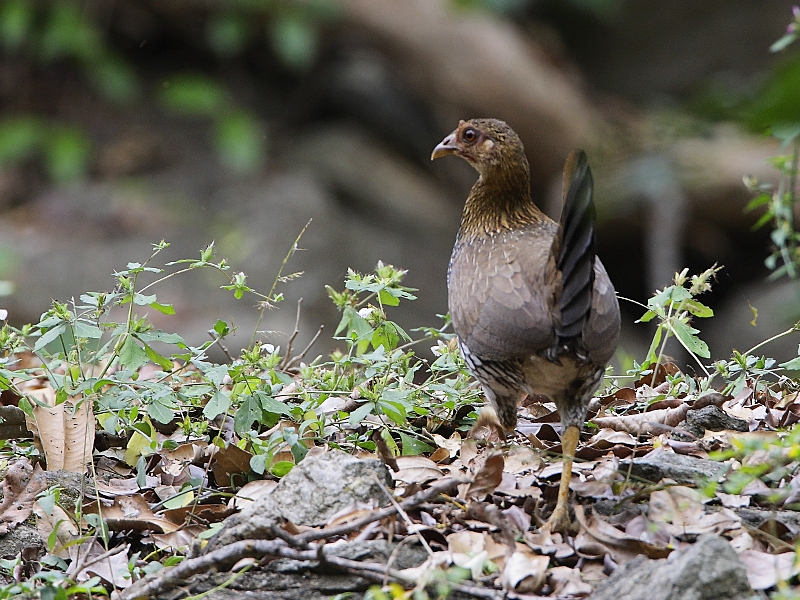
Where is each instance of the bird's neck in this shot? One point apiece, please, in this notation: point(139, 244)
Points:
point(500, 200)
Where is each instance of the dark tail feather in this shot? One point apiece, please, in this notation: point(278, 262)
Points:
point(576, 248)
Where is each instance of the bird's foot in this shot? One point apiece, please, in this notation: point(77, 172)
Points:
point(559, 521)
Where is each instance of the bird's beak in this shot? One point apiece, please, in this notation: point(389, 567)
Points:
point(446, 146)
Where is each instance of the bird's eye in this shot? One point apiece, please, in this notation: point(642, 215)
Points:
point(470, 135)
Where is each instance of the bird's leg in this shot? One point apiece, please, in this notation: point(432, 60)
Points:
point(559, 520)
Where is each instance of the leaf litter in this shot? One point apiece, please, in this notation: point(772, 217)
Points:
point(487, 527)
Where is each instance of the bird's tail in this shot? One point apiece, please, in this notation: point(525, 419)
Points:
point(574, 249)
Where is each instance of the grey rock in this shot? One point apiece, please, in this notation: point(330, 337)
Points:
point(707, 570)
point(310, 494)
point(708, 418)
point(12, 423)
point(322, 485)
point(18, 539)
point(668, 465)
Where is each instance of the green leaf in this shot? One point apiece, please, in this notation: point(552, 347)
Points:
point(412, 446)
point(652, 355)
point(661, 298)
point(166, 309)
point(691, 342)
point(160, 412)
point(783, 42)
point(248, 413)
point(295, 41)
point(792, 365)
point(646, 317)
point(66, 153)
point(114, 79)
point(387, 298)
point(131, 355)
point(360, 413)
point(219, 404)
point(280, 468)
point(678, 293)
point(19, 139)
point(193, 95)
point(271, 405)
point(228, 32)
point(86, 330)
point(216, 374)
point(221, 328)
point(49, 336)
point(161, 361)
point(142, 300)
point(394, 410)
point(68, 33)
point(258, 463)
point(240, 140)
point(698, 309)
point(385, 335)
point(195, 391)
point(16, 21)
point(160, 336)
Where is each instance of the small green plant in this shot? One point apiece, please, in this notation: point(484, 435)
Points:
point(675, 306)
point(781, 201)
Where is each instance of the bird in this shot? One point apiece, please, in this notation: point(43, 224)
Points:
point(533, 308)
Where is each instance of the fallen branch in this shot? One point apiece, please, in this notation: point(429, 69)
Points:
point(297, 547)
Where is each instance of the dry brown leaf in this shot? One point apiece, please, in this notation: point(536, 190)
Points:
point(131, 512)
point(20, 486)
point(788, 399)
point(766, 570)
point(440, 454)
point(124, 487)
point(521, 459)
point(621, 546)
point(679, 511)
point(177, 540)
point(649, 423)
point(251, 492)
point(468, 550)
point(231, 463)
point(416, 469)
point(566, 581)
point(551, 544)
point(468, 451)
point(488, 474)
point(451, 444)
point(66, 531)
point(110, 569)
point(607, 438)
point(65, 432)
point(524, 571)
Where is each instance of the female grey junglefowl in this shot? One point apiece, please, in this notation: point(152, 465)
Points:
point(533, 307)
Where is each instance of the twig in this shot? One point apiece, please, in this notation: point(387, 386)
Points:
point(418, 498)
point(217, 339)
point(221, 559)
point(306, 349)
point(404, 514)
point(292, 337)
point(299, 547)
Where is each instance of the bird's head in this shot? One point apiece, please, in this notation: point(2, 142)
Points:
point(486, 144)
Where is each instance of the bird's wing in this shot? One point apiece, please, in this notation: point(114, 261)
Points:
point(500, 300)
point(574, 249)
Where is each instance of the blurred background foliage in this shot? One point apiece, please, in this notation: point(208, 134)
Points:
point(140, 119)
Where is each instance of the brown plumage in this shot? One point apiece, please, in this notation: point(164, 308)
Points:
point(533, 308)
